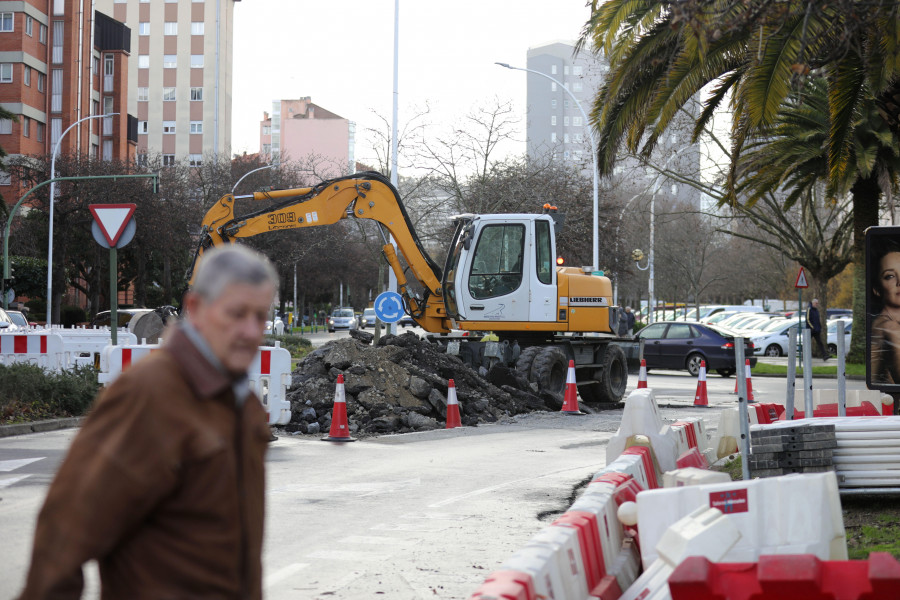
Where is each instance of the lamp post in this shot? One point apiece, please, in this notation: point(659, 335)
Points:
point(590, 131)
point(234, 187)
point(52, 202)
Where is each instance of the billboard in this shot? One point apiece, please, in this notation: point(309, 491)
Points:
point(883, 309)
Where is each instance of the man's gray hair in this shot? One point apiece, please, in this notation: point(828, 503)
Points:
point(227, 265)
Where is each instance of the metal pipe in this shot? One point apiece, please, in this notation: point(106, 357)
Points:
point(841, 370)
point(791, 373)
point(807, 375)
point(743, 411)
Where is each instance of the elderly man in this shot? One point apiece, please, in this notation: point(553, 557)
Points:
point(164, 483)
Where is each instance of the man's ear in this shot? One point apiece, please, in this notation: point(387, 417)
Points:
point(191, 301)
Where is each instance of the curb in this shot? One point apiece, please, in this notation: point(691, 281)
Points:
point(39, 426)
point(800, 377)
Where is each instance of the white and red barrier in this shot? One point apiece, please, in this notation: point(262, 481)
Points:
point(641, 416)
point(45, 351)
point(269, 374)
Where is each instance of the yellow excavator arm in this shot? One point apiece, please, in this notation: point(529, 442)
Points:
point(362, 196)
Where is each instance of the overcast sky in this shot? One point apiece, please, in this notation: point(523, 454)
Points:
point(341, 54)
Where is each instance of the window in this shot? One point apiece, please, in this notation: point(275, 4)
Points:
point(576, 121)
point(5, 178)
point(107, 149)
point(579, 138)
point(144, 28)
point(168, 126)
point(497, 262)
point(565, 138)
point(26, 76)
point(196, 60)
point(55, 129)
point(168, 94)
point(56, 90)
point(566, 104)
point(566, 70)
point(196, 93)
point(143, 94)
point(40, 131)
point(143, 61)
point(195, 159)
point(553, 120)
point(141, 159)
point(58, 7)
point(196, 126)
point(679, 332)
point(266, 148)
point(553, 137)
point(553, 86)
point(198, 28)
point(168, 160)
point(42, 82)
point(42, 33)
point(543, 251)
point(95, 108)
point(142, 126)
point(108, 71)
point(170, 28)
point(553, 103)
point(58, 30)
point(577, 86)
point(565, 121)
point(6, 21)
point(5, 125)
point(107, 109)
point(95, 65)
point(6, 70)
point(577, 71)
point(29, 25)
point(26, 127)
point(553, 69)
point(170, 61)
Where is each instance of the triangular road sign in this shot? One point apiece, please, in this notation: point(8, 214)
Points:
point(801, 279)
point(112, 219)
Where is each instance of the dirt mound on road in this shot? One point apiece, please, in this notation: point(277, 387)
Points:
point(399, 386)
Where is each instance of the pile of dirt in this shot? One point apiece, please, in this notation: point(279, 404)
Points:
point(400, 385)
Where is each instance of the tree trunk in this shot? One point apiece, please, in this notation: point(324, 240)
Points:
point(865, 194)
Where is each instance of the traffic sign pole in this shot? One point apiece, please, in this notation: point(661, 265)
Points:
point(800, 283)
point(113, 294)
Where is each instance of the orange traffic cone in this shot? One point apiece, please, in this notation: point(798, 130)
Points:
point(700, 398)
point(340, 432)
point(642, 377)
point(452, 407)
point(570, 405)
point(749, 382)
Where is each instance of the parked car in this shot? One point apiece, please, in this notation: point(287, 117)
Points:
point(833, 335)
point(7, 325)
point(774, 342)
point(684, 345)
point(123, 316)
point(341, 318)
point(368, 318)
point(18, 318)
point(407, 321)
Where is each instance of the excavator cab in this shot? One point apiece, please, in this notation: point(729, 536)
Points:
point(500, 268)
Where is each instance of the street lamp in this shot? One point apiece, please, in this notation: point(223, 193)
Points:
point(250, 173)
point(593, 155)
point(52, 202)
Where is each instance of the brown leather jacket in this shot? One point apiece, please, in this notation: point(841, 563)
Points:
point(163, 485)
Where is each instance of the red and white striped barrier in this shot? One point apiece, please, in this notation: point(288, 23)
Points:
point(269, 374)
point(45, 351)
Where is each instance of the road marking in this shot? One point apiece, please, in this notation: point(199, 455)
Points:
point(359, 489)
point(425, 527)
point(351, 555)
point(438, 516)
point(352, 540)
point(11, 480)
point(11, 465)
point(505, 484)
point(272, 579)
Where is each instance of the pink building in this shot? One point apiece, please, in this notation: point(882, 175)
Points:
point(301, 131)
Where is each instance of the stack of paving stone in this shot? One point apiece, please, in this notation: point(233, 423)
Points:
point(795, 448)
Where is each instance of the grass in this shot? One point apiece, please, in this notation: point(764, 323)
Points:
point(296, 345)
point(880, 537)
point(855, 369)
point(28, 393)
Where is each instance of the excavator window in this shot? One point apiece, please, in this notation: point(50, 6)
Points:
point(544, 252)
point(497, 262)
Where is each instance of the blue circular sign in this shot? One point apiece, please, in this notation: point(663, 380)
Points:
point(389, 307)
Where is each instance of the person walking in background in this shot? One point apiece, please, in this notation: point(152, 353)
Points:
point(164, 484)
point(814, 322)
point(629, 320)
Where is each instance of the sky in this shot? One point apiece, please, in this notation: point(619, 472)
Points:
point(340, 53)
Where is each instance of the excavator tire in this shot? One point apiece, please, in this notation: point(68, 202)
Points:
point(526, 361)
point(549, 371)
point(615, 375)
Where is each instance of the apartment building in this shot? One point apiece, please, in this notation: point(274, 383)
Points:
point(300, 130)
point(180, 75)
point(60, 63)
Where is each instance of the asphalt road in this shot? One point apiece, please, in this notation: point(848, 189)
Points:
point(424, 515)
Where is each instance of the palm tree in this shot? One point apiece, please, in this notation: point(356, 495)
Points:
point(662, 53)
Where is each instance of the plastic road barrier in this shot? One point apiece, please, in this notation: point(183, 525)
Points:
point(793, 514)
point(85, 346)
point(693, 476)
point(788, 578)
point(269, 374)
point(641, 416)
point(43, 350)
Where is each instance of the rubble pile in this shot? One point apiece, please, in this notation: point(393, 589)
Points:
point(399, 386)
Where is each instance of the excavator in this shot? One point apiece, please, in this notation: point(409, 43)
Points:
point(499, 276)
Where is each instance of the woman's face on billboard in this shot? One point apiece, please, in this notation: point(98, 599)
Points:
point(888, 288)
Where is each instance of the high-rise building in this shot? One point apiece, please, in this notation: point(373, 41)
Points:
point(302, 131)
point(180, 75)
point(60, 63)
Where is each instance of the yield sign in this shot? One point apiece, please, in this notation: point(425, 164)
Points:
point(112, 219)
point(801, 279)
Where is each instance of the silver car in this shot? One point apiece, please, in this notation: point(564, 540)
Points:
point(341, 318)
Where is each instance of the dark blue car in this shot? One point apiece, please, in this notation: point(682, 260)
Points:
point(684, 345)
